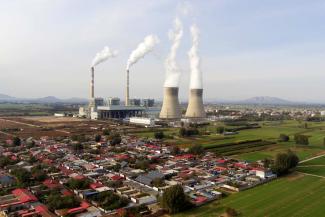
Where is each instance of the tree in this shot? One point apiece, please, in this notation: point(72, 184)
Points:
point(284, 138)
point(106, 132)
point(159, 135)
point(5, 161)
point(23, 176)
point(79, 184)
point(284, 162)
point(115, 139)
point(175, 150)
point(196, 149)
point(220, 130)
point(301, 139)
point(293, 159)
point(142, 164)
point(16, 141)
point(188, 131)
point(38, 173)
point(77, 146)
point(158, 182)
point(56, 201)
point(182, 132)
point(175, 200)
point(98, 138)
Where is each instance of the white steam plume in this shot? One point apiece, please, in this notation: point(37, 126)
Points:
point(196, 74)
point(104, 55)
point(143, 48)
point(172, 69)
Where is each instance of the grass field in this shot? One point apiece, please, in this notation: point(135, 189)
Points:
point(296, 195)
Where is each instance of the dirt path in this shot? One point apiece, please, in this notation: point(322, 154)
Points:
point(309, 159)
point(317, 165)
point(308, 174)
point(22, 123)
point(30, 125)
point(7, 134)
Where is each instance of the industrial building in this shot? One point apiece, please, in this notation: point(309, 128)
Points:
point(148, 122)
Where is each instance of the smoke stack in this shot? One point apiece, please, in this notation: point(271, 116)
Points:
point(195, 108)
point(127, 96)
point(92, 86)
point(170, 108)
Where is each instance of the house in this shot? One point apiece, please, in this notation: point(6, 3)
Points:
point(148, 178)
point(17, 200)
point(7, 181)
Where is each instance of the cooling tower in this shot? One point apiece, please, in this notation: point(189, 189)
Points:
point(170, 108)
point(195, 108)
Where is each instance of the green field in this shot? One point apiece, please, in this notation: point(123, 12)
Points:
point(317, 161)
point(296, 195)
point(315, 167)
point(269, 131)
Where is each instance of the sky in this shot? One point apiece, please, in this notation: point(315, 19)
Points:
point(248, 48)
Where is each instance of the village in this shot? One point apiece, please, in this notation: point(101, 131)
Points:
point(113, 175)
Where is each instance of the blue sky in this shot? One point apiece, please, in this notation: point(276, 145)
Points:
point(248, 48)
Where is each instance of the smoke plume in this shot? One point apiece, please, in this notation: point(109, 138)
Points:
point(143, 48)
point(196, 74)
point(172, 69)
point(104, 55)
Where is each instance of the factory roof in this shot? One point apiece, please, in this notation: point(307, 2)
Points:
point(119, 107)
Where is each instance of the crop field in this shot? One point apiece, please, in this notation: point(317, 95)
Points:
point(295, 195)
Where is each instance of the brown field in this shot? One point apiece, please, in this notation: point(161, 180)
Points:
point(52, 126)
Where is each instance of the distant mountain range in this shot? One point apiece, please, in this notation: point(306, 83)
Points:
point(258, 100)
point(48, 99)
point(267, 100)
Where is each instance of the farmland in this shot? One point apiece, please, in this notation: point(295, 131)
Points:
point(236, 146)
point(36, 127)
point(294, 195)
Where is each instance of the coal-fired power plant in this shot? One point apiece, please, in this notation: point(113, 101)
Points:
point(171, 108)
point(195, 108)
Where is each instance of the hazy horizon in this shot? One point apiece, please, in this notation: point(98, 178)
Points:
point(248, 48)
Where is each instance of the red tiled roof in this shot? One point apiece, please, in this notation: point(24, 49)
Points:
point(116, 177)
point(185, 156)
point(50, 183)
point(95, 185)
point(200, 199)
point(121, 156)
point(67, 192)
point(79, 177)
point(24, 195)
